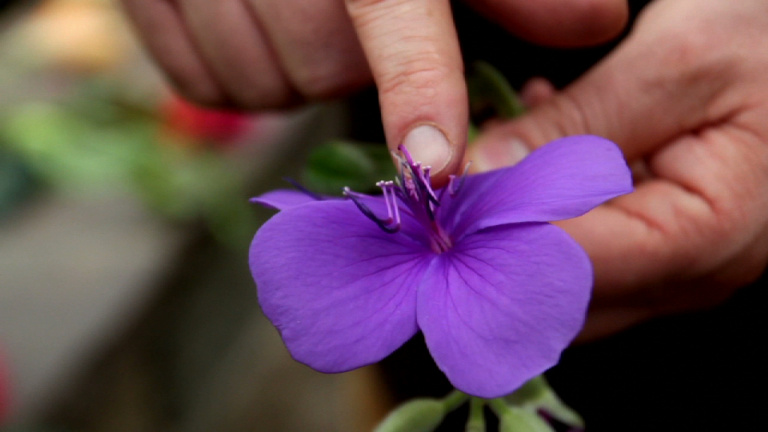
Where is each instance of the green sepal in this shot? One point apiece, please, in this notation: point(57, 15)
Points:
point(536, 394)
point(516, 419)
point(418, 415)
point(337, 164)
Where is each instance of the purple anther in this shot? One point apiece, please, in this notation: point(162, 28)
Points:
point(454, 188)
point(424, 174)
point(389, 190)
point(388, 225)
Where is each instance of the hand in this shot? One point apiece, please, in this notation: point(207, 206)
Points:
point(686, 98)
point(261, 54)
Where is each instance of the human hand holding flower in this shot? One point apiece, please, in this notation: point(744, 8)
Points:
point(263, 54)
point(686, 98)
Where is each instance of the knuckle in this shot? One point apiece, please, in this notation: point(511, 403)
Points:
point(575, 116)
point(413, 78)
point(566, 115)
point(330, 80)
point(364, 4)
point(600, 14)
point(694, 53)
point(563, 115)
point(370, 12)
point(692, 58)
point(263, 97)
point(206, 94)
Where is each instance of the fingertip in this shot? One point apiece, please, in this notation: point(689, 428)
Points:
point(431, 122)
point(491, 153)
point(597, 21)
point(428, 145)
point(415, 59)
point(536, 91)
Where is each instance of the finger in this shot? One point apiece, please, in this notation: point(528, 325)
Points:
point(536, 91)
point(685, 240)
point(160, 27)
point(237, 53)
point(625, 98)
point(558, 22)
point(413, 52)
point(316, 45)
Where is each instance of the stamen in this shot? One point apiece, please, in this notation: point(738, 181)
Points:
point(426, 194)
point(413, 190)
point(453, 188)
point(404, 151)
point(415, 180)
point(425, 179)
point(303, 190)
point(388, 189)
point(407, 176)
point(390, 225)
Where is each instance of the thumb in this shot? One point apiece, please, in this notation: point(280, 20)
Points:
point(413, 52)
point(625, 98)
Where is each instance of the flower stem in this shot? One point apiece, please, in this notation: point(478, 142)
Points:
point(454, 400)
point(476, 422)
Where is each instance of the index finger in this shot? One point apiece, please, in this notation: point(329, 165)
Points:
point(414, 55)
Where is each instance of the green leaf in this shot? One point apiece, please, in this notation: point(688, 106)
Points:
point(418, 415)
point(337, 164)
point(490, 95)
point(68, 150)
point(517, 419)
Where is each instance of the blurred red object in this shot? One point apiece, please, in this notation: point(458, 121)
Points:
point(219, 127)
point(5, 389)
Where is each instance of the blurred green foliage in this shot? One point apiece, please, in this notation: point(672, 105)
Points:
point(337, 164)
point(94, 142)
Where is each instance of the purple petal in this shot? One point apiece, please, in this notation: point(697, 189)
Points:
point(283, 199)
point(561, 180)
point(340, 290)
point(499, 308)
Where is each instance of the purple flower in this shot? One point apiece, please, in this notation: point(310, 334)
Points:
point(497, 291)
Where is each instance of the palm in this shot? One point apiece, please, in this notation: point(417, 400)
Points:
point(696, 194)
point(684, 96)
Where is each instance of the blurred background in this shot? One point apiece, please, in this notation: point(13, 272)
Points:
point(125, 298)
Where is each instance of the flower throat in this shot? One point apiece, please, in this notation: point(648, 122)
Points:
point(412, 193)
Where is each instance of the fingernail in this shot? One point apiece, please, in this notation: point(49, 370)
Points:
point(498, 155)
point(516, 151)
point(428, 145)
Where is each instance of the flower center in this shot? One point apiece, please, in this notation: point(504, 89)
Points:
point(439, 240)
point(411, 193)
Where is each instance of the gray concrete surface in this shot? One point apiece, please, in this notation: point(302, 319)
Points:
point(115, 320)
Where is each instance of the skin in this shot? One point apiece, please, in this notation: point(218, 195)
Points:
point(266, 54)
point(686, 98)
